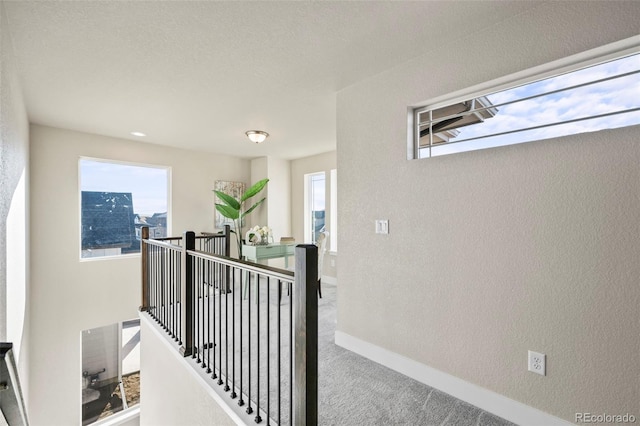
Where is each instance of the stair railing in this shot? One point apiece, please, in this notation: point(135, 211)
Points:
point(12, 404)
point(252, 328)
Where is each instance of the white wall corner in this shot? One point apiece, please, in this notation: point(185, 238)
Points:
point(482, 398)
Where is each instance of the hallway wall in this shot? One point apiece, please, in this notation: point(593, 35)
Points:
point(69, 295)
point(14, 198)
point(496, 252)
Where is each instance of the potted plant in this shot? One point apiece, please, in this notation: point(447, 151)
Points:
point(234, 209)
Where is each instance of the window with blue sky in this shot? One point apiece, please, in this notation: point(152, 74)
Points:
point(602, 96)
point(116, 201)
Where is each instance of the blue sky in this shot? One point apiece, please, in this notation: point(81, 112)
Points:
point(148, 185)
point(613, 95)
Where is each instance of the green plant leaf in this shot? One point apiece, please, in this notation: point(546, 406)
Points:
point(257, 187)
point(227, 211)
point(228, 199)
point(252, 208)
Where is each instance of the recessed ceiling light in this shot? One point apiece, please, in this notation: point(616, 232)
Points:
point(139, 134)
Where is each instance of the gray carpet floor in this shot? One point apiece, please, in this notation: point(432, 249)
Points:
point(353, 390)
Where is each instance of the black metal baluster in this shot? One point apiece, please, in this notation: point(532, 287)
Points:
point(258, 419)
point(233, 332)
point(226, 326)
point(158, 284)
point(278, 347)
point(213, 324)
point(242, 278)
point(156, 266)
point(152, 282)
point(249, 409)
point(268, 349)
point(291, 355)
point(194, 317)
point(199, 316)
point(179, 297)
point(220, 290)
point(163, 278)
point(172, 283)
point(207, 285)
point(167, 302)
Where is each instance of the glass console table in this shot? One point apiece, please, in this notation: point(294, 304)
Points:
point(269, 251)
point(265, 252)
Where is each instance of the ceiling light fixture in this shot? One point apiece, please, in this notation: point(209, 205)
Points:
point(257, 136)
point(139, 134)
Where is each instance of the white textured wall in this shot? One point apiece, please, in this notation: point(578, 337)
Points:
point(259, 171)
point(14, 158)
point(279, 206)
point(276, 209)
point(494, 252)
point(67, 295)
point(170, 393)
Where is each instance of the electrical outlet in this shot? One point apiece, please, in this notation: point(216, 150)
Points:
point(538, 363)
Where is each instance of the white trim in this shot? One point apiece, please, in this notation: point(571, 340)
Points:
point(308, 203)
point(571, 63)
point(585, 59)
point(333, 210)
point(169, 171)
point(120, 417)
point(485, 399)
point(329, 280)
point(220, 397)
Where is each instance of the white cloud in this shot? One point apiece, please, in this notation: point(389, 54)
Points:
point(606, 97)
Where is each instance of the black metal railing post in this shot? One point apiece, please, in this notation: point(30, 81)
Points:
point(226, 251)
point(186, 294)
point(227, 241)
point(305, 329)
point(144, 254)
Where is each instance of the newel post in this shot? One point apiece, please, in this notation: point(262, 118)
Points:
point(227, 241)
point(186, 294)
point(144, 254)
point(305, 328)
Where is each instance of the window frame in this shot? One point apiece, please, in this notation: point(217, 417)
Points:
point(308, 235)
point(565, 65)
point(168, 170)
point(333, 211)
point(126, 410)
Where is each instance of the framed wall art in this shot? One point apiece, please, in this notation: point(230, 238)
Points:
point(235, 189)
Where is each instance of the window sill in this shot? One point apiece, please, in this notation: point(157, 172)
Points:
point(120, 418)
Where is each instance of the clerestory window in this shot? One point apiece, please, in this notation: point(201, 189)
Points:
point(601, 93)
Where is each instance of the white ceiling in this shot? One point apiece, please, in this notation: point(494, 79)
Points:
point(198, 74)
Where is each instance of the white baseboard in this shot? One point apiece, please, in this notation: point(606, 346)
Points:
point(485, 399)
point(329, 280)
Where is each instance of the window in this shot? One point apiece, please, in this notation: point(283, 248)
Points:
point(116, 201)
point(314, 221)
point(582, 97)
point(318, 216)
point(110, 370)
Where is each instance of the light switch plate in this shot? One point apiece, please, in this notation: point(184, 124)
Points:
point(382, 226)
